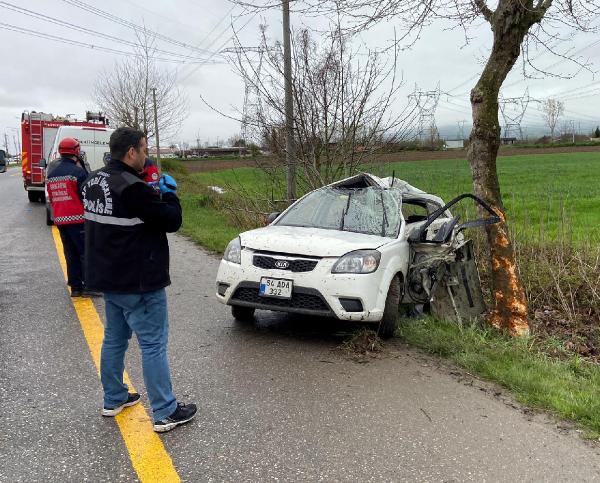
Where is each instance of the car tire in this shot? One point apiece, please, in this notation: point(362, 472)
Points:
point(391, 313)
point(242, 314)
point(33, 196)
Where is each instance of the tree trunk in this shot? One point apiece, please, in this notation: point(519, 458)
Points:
point(510, 304)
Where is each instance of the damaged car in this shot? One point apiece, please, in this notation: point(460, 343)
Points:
point(357, 250)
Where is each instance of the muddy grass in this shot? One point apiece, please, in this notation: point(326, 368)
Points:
point(362, 346)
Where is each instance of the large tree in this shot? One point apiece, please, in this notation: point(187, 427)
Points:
point(552, 109)
point(124, 92)
point(515, 26)
point(342, 98)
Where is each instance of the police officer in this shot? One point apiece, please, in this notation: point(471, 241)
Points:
point(127, 258)
point(64, 180)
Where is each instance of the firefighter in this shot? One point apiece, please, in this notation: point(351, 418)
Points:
point(64, 180)
point(127, 258)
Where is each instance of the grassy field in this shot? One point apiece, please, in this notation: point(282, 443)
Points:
point(548, 197)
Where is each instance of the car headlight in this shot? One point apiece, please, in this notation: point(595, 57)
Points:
point(359, 261)
point(233, 252)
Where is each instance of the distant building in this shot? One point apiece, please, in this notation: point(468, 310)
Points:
point(216, 151)
point(164, 152)
point(454, 143)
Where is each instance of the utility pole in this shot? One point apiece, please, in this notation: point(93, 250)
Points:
point(6, 142)
point(289, 106)
point(156, 131)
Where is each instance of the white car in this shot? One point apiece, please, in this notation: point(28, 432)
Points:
point(356, 250)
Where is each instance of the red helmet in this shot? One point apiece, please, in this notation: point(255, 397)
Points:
point(69, 146)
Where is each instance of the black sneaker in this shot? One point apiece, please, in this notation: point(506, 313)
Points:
point(181, 415)
point(90, 293)
point(76, 292)
point(132, 399)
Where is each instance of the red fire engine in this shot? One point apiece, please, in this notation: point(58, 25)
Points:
point(38, 131)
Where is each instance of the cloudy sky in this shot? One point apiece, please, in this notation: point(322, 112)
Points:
point(58, 77)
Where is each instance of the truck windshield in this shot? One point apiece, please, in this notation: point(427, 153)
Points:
point(372, 210)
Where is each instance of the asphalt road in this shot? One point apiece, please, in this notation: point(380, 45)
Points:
point(277, 403)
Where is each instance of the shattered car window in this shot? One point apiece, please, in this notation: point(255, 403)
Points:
point(372, 210)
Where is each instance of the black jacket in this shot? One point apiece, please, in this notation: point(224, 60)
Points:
point(126, 222)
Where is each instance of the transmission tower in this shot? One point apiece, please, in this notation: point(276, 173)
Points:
point(461, 129)
point(252, 103)
point(513, 110)
point(426, 102)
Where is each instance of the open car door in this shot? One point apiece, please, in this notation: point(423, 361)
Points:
point(443, 273)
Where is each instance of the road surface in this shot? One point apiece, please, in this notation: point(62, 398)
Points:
point(276, 401)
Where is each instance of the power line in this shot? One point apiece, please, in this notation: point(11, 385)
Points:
point(193, 71)
point(46, 18)
point(137, 28)
point(77, 43)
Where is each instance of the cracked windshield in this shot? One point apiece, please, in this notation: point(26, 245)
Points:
point(373, 211)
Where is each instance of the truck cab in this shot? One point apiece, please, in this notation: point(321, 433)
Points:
point(39, 131)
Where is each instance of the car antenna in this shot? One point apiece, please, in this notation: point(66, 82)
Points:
point(393, 177)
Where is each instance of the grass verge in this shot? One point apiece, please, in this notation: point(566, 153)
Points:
point(568, 389)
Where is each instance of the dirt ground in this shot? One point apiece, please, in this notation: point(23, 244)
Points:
point(205, 165)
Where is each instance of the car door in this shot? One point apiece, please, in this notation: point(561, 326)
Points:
point(443, 275)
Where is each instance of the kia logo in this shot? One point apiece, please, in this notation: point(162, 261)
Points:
point(282, 264)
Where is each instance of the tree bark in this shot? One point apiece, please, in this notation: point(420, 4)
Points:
point(510, 23)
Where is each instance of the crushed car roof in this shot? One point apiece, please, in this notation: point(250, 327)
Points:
point(365, 180)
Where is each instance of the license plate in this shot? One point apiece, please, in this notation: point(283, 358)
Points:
point(275, 287)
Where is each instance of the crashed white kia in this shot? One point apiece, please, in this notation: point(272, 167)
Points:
point(356, 250)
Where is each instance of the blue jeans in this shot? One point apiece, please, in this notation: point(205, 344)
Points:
point(146, 315)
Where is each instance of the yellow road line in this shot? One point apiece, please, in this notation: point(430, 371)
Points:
point(147, 452)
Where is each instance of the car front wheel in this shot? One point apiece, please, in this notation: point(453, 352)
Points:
point(242, 314)
point(389, 321)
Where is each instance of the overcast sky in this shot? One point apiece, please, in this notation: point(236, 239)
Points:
point(45, 75)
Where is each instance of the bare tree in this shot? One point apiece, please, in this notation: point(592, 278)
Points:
point(516, 25)
point(552, 109)
point(124, 92)
point(341, 104)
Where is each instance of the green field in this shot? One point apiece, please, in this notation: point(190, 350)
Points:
point(548, 197)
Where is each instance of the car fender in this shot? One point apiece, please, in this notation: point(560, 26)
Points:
point(395, 258)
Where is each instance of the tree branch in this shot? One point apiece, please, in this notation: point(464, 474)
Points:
point(482, 7)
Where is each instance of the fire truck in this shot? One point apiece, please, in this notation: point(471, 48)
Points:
point(38, 131)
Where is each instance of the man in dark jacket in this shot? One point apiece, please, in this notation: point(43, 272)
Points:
point(64, 180)
point(127, 258)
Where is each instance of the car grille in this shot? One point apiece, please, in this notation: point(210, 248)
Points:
point(298, 265)
point(303, 300)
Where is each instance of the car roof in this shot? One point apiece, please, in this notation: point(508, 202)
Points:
point(366, 180)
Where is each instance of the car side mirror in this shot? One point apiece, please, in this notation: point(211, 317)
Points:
point(43, 163)
point(272, 217)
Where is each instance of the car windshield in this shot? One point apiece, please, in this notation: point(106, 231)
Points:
point(372, 210)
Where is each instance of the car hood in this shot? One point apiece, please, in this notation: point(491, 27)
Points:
point(309, 241)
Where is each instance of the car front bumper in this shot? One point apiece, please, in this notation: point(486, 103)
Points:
point(317, 292)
